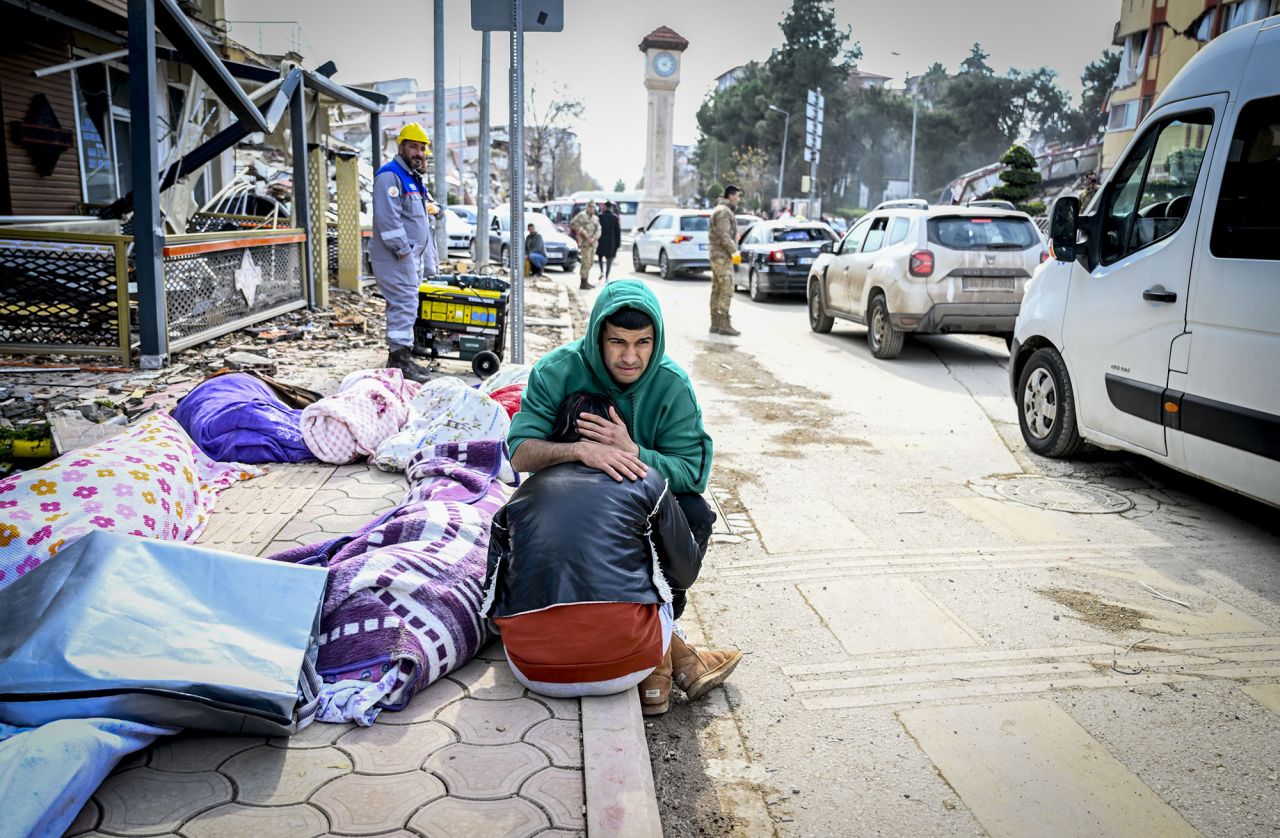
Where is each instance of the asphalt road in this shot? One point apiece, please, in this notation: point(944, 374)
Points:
point(928, 652)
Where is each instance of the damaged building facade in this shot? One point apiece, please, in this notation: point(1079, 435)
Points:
point(241, 206)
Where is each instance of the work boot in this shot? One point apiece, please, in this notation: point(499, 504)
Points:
point(401, 358)
point(698, 672)
point(655, 690)
point(715, 324)
point(584, 285)
point(726, 327)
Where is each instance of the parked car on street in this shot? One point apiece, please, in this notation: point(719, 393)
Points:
point(467, 211)
point(939, 270)
point(1155, 326)
point(675, 241)
point(461, 232)
point(562, 251)
point(776, 256)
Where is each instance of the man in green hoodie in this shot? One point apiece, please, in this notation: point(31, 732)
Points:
point(657, 424)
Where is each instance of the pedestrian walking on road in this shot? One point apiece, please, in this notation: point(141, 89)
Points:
point(722, 238)
point(656, 424)
point(535, 250)
point(610, 239)
point(403, 248)
point(586, 228)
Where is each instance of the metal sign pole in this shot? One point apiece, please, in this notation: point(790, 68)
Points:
point(440, 137)
point(482, 185)
point(516, 213)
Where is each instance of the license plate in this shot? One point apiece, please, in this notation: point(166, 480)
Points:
point(986, 283)
point(805, 260)
point(702, 247)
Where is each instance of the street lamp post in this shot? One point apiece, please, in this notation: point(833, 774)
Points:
point(782, 163)
point(915, 101)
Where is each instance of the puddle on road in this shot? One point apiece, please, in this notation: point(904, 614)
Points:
point(1096, 612)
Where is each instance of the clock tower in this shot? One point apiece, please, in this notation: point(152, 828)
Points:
point(662, 49)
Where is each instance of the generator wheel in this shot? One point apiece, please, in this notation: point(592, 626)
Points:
point(485, 363)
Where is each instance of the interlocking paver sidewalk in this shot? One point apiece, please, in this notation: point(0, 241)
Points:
point(473, 754)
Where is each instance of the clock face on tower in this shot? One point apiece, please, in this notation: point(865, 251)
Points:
point(664, 64)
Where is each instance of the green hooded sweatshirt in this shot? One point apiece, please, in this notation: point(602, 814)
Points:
point(660, 408)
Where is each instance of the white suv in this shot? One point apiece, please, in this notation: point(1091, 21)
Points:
point(675, 240)
point(930, 271)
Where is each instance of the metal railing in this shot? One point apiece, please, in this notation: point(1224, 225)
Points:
point(217, 222)
point(218, 282)
point(64, 293)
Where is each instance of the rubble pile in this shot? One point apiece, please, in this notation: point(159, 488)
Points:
point(55, 403)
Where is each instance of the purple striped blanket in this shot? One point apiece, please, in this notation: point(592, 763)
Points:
point(404, 592)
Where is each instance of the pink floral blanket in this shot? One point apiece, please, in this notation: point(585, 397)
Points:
point(370, 406)
point(151, 481)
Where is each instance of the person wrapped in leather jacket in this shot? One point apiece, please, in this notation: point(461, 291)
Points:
point(571, 534)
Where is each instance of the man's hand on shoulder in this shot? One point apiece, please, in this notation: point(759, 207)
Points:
point(614, 462)
point(611, 431)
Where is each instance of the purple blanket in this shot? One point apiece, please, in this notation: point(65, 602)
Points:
point(404, 592)
point(237, 418)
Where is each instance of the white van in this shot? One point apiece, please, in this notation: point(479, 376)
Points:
point(1155, 326)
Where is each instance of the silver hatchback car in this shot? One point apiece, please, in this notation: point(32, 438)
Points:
point(931, 270)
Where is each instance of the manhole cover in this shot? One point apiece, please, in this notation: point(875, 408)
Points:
point(1062, 495)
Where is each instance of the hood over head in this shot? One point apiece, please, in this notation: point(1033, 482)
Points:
point(623, 293)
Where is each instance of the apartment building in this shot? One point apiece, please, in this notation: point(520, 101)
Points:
point(1156, 39)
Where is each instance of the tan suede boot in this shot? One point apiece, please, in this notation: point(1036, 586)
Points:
point(697, 673)
point(715, 324)
point(726, 327)
point(655, 690)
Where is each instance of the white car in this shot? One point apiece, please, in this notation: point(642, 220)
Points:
point(925, 270)
point(1155, 326)
point(562, 251)
point(675, 241)
point(460, 231)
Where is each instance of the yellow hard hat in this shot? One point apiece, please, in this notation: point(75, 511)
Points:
point(413, 131)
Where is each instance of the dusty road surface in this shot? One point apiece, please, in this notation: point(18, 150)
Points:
point(944, 635)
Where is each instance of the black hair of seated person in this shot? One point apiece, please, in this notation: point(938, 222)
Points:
point(566, 426)
point(631, 319)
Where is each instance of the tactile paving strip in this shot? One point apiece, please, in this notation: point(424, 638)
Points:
point(249, 514)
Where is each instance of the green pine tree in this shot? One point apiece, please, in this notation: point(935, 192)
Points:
point(1020, 180)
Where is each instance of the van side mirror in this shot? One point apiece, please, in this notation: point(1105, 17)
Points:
point(1062, 227)
point(828, 247)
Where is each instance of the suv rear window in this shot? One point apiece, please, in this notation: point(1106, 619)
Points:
point(960, 232)
point(694, 223)
point(801, 234)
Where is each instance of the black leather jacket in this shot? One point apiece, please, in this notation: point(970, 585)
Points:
point(571, 534)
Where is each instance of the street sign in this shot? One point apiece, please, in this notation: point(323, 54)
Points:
point(539, 15)
point(804, 183)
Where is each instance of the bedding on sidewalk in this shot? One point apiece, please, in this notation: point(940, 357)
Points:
point(404, 592)
point(152, 481)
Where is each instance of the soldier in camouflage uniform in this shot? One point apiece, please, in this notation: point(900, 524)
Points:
point(586, 228)
point(722, 238)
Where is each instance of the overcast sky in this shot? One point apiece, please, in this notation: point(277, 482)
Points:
point(597, 58)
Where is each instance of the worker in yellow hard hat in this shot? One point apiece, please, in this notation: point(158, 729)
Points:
point(403, 248)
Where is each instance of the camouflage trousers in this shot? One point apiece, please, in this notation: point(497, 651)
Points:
point(721, 286)
point(588, 257)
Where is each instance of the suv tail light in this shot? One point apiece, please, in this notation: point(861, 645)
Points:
point(921, 263)
point(681, 239)
point(777, 256)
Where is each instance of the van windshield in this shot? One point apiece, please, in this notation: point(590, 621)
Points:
point(980, 233)
point(694, 223)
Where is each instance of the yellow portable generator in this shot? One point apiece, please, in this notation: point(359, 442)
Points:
point(463, 316)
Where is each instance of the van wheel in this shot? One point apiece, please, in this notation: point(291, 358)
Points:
point(504, 258)
point(819, 321)
point(1047, 408)
point(884, 340)
point(636, 264)
point(664, 266)
point(753, 288)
